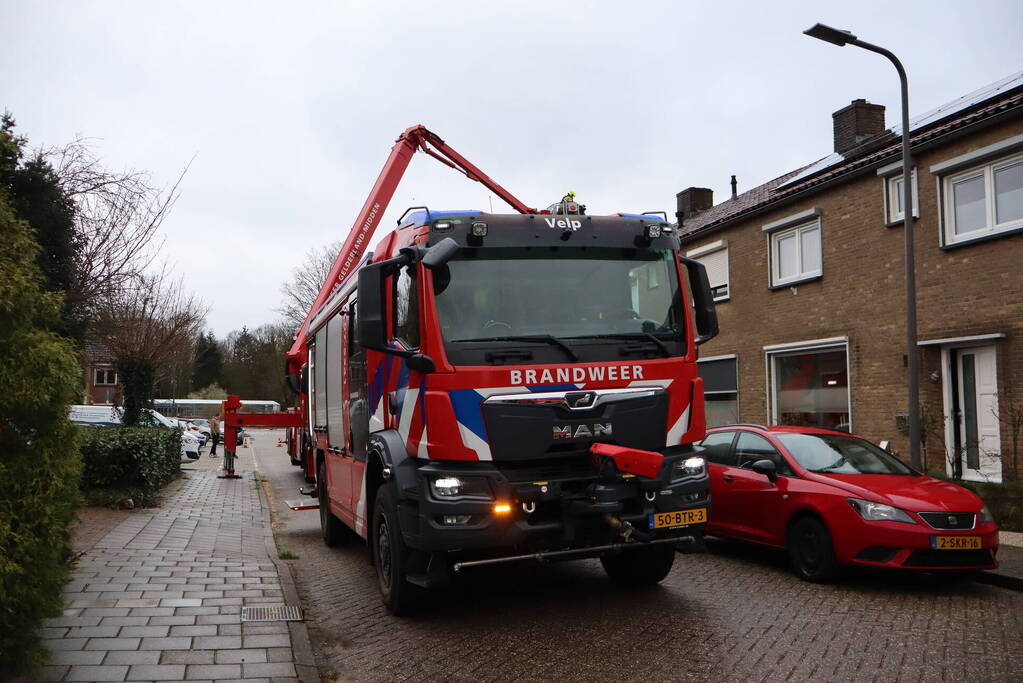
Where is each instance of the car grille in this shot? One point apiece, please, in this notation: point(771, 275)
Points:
point(949, 520)
point(949, 558)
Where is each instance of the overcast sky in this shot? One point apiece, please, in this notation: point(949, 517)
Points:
point(290, 109)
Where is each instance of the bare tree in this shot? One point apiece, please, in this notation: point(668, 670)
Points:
point(148, 326)
point(117, 217)
point(306, 279)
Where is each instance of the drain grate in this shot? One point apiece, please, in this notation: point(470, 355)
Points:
point(274, 613)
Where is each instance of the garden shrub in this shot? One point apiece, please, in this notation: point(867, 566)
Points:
point(128, 462)
point(39, 466)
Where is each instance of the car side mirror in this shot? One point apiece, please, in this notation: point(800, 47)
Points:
point(767, 468)
point(440, 253)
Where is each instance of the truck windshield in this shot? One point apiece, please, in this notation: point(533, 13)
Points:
point(569, 293)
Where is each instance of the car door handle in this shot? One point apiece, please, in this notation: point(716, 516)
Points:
point(728, 477)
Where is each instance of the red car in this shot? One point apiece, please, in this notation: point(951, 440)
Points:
point(830, 499)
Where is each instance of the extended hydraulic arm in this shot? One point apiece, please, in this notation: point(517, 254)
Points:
point(416, 138)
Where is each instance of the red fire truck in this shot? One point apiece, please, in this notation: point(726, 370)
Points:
point(487, 388)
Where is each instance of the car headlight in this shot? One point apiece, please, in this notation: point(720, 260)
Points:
point(879, 512)
point(690, 467)
point(985, 516)
point(450, 488)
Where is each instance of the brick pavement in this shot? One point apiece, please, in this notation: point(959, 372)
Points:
point(159, 596)
point(736, 614)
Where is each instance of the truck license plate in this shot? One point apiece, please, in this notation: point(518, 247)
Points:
point(955, 542)
point(663, 520)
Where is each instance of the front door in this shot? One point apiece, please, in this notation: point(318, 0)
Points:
point(976, 430)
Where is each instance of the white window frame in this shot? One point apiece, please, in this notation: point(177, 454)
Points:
point(106, 375)
point(829, 344)
point(987, 172)
point(802, 275)
point(893, 192)
point(707, 250)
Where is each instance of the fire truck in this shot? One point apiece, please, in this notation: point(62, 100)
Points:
point(486, 388)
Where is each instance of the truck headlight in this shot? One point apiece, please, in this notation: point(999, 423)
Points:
point(690, 467)
point(879, 512)
point(451, 488)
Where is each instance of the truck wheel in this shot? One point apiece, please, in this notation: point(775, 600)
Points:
point(331, 528)
point(391, 556)
point(810, 550)
point(640, 566)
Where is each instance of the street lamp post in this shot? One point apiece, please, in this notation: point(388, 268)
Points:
point(842, 38)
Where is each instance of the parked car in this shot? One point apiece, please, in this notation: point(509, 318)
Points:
point(830, 499)
point(106, 416)
point(191, 428)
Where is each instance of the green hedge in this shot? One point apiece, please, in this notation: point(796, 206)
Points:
point(128, 462)
point(39, 378)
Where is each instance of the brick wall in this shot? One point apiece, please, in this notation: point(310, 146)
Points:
point(968, 290)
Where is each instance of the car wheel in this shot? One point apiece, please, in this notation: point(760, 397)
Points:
point(331, 528)
point(811, 552)
point(640, 566)
point(391, 556)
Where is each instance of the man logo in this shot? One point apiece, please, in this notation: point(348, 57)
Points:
point(580, 400)
point(580, 431)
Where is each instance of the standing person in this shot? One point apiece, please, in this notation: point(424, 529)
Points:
point(214, 434)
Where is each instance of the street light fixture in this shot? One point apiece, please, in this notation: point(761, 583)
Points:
point(842, 38)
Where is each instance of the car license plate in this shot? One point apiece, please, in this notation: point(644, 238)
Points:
point(663, 520)
point(955, 542)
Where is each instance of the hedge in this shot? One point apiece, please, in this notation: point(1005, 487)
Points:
point(39, 378)
point(134, 463)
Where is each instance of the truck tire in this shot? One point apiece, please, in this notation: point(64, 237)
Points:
point(331, 528)
point(391, 556)
point(640, 566)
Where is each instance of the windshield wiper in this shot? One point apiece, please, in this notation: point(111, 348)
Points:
point(534, 338)
point(637, 336)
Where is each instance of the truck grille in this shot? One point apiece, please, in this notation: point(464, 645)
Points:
point(949, 520)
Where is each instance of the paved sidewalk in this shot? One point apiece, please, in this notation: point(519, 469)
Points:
point(1010, 558)
point(159, 597)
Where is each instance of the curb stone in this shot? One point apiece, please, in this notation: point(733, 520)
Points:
point(305, 662)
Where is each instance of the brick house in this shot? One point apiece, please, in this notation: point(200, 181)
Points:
point(808, 271)
point(101, 383)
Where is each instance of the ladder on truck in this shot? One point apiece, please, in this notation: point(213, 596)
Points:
point(412, 140)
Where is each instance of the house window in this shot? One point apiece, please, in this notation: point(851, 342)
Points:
point(810, 385)
point(894, 196)
point(406, 308)
point(714, 258)
point(105, 377)
point(720, 389)
point(796, 254)
point(983, 201)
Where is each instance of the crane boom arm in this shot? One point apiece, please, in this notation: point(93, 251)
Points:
point(413, 139)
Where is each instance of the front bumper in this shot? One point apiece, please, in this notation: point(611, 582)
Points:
point(897, 545)
point(553, 512)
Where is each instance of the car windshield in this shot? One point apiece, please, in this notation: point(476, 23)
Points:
point(832, 453)
point(567, 292)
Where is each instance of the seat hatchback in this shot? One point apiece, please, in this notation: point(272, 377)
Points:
point(830, 498)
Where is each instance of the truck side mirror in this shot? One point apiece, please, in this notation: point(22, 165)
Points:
point(372, 323)
point(372, 319)
point(440, 253)
point(703, 301)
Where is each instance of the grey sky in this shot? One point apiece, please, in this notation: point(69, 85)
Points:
point(291, 108)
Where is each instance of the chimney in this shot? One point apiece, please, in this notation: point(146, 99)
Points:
point(693, 200)
point(857, 123)
point(735, 187)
